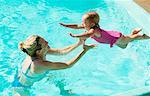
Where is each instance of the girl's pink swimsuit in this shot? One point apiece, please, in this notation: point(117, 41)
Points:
point(107, 37)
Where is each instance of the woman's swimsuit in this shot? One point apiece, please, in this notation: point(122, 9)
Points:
point(107, 37)
point(25, 80)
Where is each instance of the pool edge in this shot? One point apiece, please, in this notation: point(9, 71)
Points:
point(144, 91)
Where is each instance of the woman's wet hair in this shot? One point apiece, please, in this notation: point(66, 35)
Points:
point(34, 47)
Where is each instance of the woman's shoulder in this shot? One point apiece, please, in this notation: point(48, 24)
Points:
point(26, 63)
point(39, 62)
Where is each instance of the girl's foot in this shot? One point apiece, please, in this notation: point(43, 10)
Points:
point(146, 36)
point(136, 31)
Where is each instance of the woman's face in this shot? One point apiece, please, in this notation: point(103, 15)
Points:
point(44, 45)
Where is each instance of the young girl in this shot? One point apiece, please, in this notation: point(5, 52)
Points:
point(90, 23)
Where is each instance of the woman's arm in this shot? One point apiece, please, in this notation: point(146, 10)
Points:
point(61, 65)
point(74, 26)
point(65, 50)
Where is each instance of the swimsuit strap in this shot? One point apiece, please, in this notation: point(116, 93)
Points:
point(38, 76)
point(28, 69)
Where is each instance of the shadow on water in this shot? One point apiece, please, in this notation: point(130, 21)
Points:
point(145, 94)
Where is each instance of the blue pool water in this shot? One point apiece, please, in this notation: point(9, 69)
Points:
point(103, 71)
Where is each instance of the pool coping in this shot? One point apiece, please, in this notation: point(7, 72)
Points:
point(144, 4)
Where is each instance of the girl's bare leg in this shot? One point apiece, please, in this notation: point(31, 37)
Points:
point(124, 40)
point(139, 37)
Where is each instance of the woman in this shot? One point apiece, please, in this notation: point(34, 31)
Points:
point(35, 66)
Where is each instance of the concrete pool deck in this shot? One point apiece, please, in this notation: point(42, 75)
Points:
point(144, 4)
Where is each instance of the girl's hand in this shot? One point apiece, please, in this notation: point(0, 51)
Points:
point(63, 24)
point(81, 41)
point(72, 35)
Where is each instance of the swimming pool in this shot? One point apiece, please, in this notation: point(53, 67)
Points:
point(103, 71)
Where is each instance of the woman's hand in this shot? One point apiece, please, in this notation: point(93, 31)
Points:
point(87, 47)
point(81, 41)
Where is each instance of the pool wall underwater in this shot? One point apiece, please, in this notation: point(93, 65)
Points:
point(143, 19)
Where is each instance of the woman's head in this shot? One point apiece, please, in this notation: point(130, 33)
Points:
point(33, 44)
point(90, 19)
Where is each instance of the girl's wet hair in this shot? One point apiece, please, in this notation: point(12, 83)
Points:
point(93, 16)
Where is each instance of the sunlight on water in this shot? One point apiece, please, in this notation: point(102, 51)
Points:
point(101, 72)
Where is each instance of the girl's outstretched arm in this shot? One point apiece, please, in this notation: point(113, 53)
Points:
point(73, 26)
point(83, 35)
